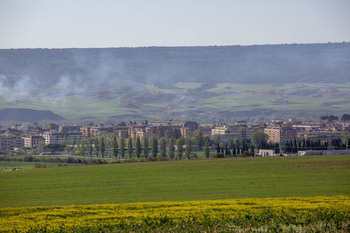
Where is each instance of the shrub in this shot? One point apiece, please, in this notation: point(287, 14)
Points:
point(219, 155)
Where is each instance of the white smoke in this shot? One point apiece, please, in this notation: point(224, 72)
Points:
point(24, 87)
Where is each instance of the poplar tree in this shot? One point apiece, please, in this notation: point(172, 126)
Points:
point(102, 147)
point(84, 147)
point(172, 148)
point(162, 146)
point(188, 147)
point(97, 147)
point(179, 150)
point(115, 147)
point(206, 148)
point(145, 147)
point(90, 148)
point(138, 147)
point(130, 148)
point(122, 147)
point(154, 150)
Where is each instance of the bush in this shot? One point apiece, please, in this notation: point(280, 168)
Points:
point(219, 155)
point(40, 165)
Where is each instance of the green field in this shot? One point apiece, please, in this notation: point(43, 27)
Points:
point(177, 181)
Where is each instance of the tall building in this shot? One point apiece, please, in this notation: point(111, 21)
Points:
point(11, 142)
point(240, 130)
point(184, 124)
point(32, 141)
point(57, 138)
point(280, 133)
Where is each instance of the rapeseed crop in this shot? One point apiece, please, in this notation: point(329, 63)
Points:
point(325, 214)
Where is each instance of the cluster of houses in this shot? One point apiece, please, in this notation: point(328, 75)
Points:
point(28, 136)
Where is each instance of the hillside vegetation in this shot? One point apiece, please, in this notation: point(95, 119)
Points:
point(202, 83)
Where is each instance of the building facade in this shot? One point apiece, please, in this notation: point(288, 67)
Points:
point(53, 137)
point(280, 133)
point(32, 141)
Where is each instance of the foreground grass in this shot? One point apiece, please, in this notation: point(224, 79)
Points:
point(177, 181)
point(313, 214)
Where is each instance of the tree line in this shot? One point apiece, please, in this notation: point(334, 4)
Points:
point(182, 148)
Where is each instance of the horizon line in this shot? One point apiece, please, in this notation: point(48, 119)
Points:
point(179, 46)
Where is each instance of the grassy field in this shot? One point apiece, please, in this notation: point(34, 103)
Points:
point(177, 181)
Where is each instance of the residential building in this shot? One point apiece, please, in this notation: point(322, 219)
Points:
point(239, 130)
point(32, 141)
point(92, 131)
point(69, 128)
point(280, 133)
point(11, 142)
point(189, 124)
point(52, 137)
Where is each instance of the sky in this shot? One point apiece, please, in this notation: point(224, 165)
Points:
point(137, 23)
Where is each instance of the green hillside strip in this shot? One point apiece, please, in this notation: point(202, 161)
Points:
point(178, 181)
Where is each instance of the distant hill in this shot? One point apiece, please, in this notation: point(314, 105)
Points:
point(213, 82)
point(29, 115)
point(168, 65)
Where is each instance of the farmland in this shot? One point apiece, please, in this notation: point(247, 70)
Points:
point(234, 194)
point(316, 214)
point(177, 181)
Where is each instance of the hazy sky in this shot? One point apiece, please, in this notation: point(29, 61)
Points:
point(134, 23)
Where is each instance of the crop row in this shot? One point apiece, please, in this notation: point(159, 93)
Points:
point(262, 214)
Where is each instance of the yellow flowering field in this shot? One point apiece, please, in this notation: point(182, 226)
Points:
point(256, 212)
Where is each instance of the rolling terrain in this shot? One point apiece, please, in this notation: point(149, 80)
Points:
point(199, 83)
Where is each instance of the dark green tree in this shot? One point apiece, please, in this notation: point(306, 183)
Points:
point(145, 147)
point(172, 148)
point(130, 148)
point(231, 144)
point(97, 146)
point(258, 138)
point(77, 148)
point(179, 151)
point(162, 147)
point(218, 148)
point(188, 148)
point(252, 149)
point(138, 147)
point(90, 147)
point(199, 140)
point(227, 151)
point(154, 149)
point(207, 148)
point(115, 147)
point(217, 138)
point(83, 147)
point(102, 147)
point(122, 147)
point(237, 143)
